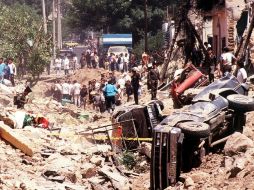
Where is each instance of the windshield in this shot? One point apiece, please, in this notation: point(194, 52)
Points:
point(117, 49)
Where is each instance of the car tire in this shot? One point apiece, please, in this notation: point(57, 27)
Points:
point(160, 103)
point(195, 129)
point(240, 103)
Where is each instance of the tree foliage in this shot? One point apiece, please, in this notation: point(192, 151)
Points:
point(20, 24)
point(118, 16)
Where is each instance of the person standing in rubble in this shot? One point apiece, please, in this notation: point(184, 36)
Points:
point(241, 72)
point(227, 60)
point(66, 64)
point(7, 71)
point(135, 79)
point(152, 80)
point(13, 70)
point(110, 92)
point(83, 95)
point(66, 90)
point(76, 93)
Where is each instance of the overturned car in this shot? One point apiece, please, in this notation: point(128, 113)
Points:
point(138, 120)
point(182, 138)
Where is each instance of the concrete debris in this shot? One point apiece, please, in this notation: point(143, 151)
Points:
point(117, 180)
point(146, 149)
point(189, 182)
point(237, 143)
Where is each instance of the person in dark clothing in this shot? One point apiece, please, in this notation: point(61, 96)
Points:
point(82, 60)
point(135, 78)
point(129, 90)
point(152, 80)
point(208, 64)
point(88, 60)
point(83, 95)
point(112, 77)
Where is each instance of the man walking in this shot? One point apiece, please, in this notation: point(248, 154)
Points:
point(135, 79)
point(152, 80)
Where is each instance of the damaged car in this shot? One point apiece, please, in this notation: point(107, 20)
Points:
point(138, 120)
point(181, 139)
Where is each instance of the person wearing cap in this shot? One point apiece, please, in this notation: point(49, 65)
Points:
point(152, 80)
point(135, 79)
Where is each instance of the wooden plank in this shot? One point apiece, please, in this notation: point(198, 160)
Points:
point(15, 139)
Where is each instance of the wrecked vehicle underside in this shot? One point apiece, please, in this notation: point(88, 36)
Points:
point(182, 138)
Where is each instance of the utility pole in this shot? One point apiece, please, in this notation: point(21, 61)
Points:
point(44, 16)
point(59, 25)
point(145, 14)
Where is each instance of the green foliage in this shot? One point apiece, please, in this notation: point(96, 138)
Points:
point(154, 43)
point(117, 16)
point(128, 160)
point(18, 24)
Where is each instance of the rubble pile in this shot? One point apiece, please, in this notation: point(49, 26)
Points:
point(58, 155)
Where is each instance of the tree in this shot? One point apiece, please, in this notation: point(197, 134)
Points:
point(117, 16)
point(19, 25)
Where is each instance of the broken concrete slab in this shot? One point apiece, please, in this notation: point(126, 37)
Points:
point(16, 139)
point(237, 143)
point(88, 170)
point(117, 180)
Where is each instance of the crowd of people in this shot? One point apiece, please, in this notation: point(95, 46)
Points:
point(7, 71)
point(226, 63)
point(103, 94)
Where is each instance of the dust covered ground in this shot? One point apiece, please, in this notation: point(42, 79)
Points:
point(65, 158)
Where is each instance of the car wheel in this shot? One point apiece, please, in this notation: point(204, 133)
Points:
point(195, 129)
point(240, 103)
point(157, 102)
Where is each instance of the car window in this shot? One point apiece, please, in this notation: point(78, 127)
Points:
point(117, 49)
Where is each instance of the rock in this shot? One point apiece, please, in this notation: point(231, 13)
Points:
point(238, 166)
point(146, 149)
point(88, 170)
point(228, 162)
point(96, 160)
point(188, 182)
point(117, 180)
point(237, 143)
point(96, 183)
point(199, 176)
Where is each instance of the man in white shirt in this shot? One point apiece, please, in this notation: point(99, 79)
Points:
point(126, 63)
point(58, 62)
point(76, 93)
point(66, 90)
point(13, 70)
point(66, 65)
point(241, 72)
point(227, 60)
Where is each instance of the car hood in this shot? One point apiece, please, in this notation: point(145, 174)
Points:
point(199, 112)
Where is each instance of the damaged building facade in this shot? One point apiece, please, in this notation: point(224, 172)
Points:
point(227, 21)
